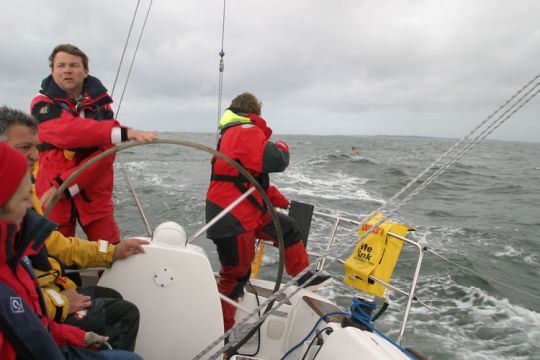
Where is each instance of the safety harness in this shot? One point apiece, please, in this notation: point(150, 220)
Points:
point(240, 181)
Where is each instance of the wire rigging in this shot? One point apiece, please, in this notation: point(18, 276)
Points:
point(221, 69)
point(452, 155)
point(122, 164)
point(125, 47)
point(134, 56)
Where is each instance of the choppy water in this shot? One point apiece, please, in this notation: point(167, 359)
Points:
point(483, 213)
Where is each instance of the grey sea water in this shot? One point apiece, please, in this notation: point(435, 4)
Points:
point(483, 214)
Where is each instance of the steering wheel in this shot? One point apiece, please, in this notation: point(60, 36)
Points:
point(216, 153)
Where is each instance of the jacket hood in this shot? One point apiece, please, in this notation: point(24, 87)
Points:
point(261, 124)
point(232, 118)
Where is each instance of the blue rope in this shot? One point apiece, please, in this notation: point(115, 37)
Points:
point(359, 314)
point(312, 330)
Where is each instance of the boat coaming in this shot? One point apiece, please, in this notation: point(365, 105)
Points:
point(174, 287)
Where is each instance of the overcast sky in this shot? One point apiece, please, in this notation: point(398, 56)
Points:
point(400, 67)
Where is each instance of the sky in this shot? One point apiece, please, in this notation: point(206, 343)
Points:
point(355, 67)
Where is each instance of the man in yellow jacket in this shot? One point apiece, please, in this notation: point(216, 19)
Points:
point(91, 308)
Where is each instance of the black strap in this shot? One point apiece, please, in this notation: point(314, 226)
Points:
point(380, 312)
point(239, 181)
point(83, 152)
point(45, 147)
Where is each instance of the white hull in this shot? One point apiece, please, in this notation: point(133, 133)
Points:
point(175, 290)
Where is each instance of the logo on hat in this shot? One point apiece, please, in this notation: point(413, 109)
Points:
point(16, 305)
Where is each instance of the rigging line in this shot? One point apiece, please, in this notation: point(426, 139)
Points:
point(135, 197)
point(485, 133)
point(459, 143)
point(125, 47)
point(134, 56)
point(390, 211)
point(388, 206)
point(482, 275)
point(327, 252)
point(122, 164)
point(221, 68)
point(244, 320)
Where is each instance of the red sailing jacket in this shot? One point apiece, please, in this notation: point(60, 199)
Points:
point(244, 138)
point(70, 134)
point(18, 277)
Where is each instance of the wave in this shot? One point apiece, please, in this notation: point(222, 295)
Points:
point(336, 186)
point(332, 158)
point(468, 318)
point(394, 171)
point(504, 189)
point(443, 214)
point(481, 325)
point(514, 253)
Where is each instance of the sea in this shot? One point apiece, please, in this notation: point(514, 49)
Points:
point(482, 214)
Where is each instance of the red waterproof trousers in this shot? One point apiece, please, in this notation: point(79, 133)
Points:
point(237, 252)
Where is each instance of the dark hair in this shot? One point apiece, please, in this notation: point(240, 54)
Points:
point(246, 103)
point(70, 49)
point(9, 116)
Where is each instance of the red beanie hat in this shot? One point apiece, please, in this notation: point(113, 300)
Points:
point(13, 166)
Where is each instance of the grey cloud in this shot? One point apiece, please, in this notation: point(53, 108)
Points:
point(413, 67)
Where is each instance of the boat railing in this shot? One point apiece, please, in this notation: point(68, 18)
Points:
point(410, 295)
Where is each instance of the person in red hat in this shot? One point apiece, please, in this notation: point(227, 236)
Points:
point(26, 331)
point(90, 308)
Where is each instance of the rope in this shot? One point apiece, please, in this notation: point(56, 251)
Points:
point(135, 197)
point(324, 316)
point(134, 56)
point(456, 145)
point(122, 164)
point(221, 68)
point(459, 149)
point(324, 255)
point(125, 47)
point(469, 146)
point(359, 313)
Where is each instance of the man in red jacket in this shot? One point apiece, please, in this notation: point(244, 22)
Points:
point(76, 123)
point(26, 331)
point(245, 138)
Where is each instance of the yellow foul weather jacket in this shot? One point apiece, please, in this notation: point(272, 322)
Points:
point(68, 251)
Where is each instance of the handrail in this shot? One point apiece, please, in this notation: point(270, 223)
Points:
point(218, 217)
point(410, 295)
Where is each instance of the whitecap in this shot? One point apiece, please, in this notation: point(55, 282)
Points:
point(509, 251)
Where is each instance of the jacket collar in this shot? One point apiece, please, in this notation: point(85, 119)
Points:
point(92, 88)
point(233, 117)
point(230, 118)
point(28, 241)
